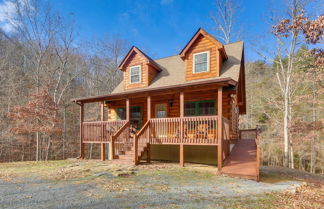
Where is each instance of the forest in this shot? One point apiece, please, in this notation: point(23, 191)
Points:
point(43, 65)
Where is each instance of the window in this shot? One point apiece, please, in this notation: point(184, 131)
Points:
point(201, 62)
point(190, 109)
point(161, 110)
point(121, 113)
point(199, 108)
point(135, 74)
point(206, 108)
point(135, 115)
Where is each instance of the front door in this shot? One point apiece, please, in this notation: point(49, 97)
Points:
point(161, 110)
point(136, 117)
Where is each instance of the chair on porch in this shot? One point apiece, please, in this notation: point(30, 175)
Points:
point(185, 132)
point(202, 131)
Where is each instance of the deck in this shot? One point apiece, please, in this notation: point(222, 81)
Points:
point(242, 161)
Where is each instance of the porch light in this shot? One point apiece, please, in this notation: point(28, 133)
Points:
point(170, 102)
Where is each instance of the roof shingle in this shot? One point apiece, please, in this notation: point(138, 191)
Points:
point(172, 69)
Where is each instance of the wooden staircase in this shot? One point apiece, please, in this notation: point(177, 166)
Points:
point(129, 154)
point(126, 153)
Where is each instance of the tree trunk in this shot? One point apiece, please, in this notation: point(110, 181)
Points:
point(286, 129)
point(64, 133)
point(48, 148)
point(37, 146)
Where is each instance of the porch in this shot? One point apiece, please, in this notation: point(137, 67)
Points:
point(164, 118)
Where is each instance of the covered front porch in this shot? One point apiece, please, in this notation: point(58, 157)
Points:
point(201, 115)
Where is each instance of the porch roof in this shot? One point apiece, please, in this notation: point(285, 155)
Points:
point(172, 75)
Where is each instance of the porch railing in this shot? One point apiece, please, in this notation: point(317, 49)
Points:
point(141, 140)
point(100, 131)
point(248, 134)
point(121, 141)
point(187, 130)
point(226, 138)
point(253, 134)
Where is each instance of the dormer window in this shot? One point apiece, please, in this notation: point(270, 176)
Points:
point(135, 74)
point(201, 62)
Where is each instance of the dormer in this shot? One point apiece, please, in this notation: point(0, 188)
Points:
point(203, 56)
point(138, 69)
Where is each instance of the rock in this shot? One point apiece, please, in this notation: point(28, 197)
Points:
point(100, 174)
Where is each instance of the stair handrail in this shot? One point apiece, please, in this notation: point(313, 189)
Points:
point(136, 137)
point(115, 136)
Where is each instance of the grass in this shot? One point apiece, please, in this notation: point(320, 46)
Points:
point(161, 177)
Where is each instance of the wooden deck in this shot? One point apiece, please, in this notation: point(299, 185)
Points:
point(242, 161)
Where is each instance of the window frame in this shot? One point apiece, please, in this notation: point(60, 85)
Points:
point(197, 107)
point(194, 63)
point(130, 114)
point(140, 74)
point(166, 109)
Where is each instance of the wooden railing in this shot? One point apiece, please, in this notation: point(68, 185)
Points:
point(253, 134)
point(141, 139)
point(121, 141)
point(234, 121)
point(186, 130)
point(257, 142)
point(248, 134)
point(226, 138)
point(100, 131)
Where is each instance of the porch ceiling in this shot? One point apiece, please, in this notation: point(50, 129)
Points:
point(193, 86)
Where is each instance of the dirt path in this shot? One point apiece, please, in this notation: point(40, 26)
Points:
point(102, 185)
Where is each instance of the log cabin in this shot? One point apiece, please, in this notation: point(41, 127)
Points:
point(182, 108)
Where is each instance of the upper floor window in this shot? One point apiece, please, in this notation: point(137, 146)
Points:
point(135, 74)
point(201, 62)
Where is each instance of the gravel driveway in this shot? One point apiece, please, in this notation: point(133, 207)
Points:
point(129, 187)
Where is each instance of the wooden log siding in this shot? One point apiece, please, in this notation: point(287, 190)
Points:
point(202, 44)
point(100, 131)
point(196, 130)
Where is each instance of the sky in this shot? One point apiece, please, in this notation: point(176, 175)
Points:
point(161, 28)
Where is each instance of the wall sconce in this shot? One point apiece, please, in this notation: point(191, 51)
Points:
point(170, 102)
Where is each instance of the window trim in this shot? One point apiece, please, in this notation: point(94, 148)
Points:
point(197, 106)
point(140, 74)
point(166, 109)
point(131, 108)
point(208, 61)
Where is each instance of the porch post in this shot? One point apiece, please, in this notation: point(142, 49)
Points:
point(110, 146)
point(127, 110)
point(103, 145)
point(181, 129)
point(148, 149)
point(81, 131)
point(220, 127)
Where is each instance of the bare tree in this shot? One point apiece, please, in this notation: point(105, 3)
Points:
point(289, 33)
point(224, 19)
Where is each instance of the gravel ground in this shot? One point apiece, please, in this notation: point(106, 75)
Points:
point(143, 188)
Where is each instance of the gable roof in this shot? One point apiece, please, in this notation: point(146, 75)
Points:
point(134, 49)
point(202, 32)
point(173, 67)
point(172, 74)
